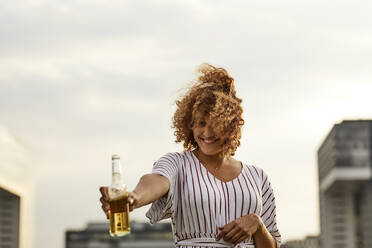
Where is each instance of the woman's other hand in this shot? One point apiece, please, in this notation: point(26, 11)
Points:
point(240, 229)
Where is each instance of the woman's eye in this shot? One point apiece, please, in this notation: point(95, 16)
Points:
point(202, 123)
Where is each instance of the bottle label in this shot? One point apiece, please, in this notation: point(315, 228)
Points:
point(116, 168)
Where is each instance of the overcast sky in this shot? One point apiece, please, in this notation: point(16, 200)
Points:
point(81, 80)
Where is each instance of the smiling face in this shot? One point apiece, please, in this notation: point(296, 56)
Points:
point(208, 141)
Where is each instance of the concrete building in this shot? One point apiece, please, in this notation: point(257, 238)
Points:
point(16, 193)
point(143, 235)
point(308, 242)
point(345, 186)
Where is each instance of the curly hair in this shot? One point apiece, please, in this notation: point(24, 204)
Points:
point(212, 94)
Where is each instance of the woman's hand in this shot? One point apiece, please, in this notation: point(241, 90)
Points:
point(105, 200)
point(133, 200)
point(240, 229)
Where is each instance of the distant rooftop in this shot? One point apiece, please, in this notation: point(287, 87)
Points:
point(140, 231)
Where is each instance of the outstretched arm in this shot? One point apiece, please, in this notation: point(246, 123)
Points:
point(150, 188)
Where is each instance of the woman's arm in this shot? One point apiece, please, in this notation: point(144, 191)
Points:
point(262, 237)
point(150, 188)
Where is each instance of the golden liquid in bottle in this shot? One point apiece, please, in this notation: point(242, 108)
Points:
point(119, 216)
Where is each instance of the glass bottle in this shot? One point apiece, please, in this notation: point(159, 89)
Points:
point(119, 207)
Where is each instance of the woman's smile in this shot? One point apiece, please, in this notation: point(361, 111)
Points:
point(209, 141)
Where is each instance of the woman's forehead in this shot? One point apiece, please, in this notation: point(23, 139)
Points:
point(201, 115)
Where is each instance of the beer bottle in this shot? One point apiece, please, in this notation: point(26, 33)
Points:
point(119, 207)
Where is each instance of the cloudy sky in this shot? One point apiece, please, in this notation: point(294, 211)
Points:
point(81, 80)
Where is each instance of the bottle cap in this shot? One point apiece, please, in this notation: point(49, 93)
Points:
point(115, 156)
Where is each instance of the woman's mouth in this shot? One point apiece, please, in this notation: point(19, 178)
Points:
point(208, 140)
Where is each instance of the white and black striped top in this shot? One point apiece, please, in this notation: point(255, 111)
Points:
point(198, 203)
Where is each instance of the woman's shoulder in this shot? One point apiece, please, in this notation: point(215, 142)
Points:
point(254, 171)
point(175, 157)
point(176, 154)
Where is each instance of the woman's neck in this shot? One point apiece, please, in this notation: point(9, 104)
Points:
point(214, 161)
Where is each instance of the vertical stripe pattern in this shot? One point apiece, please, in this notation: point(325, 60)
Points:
point(198, 202)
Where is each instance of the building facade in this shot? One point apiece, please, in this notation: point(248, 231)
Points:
point(345, 186)
point(308, 242)
point(9, 219)
point(16, 193)
point(143, 235)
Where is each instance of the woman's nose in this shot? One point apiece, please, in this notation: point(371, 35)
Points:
point(208, 131)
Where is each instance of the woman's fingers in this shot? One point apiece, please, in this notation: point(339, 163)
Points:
point(224, 230)
point(107, 211)
point(105, 205)
point(242, 238)
point(105, 201)
point(104, 208)
point(104, 192)
point(241, 235)
point(230, 235)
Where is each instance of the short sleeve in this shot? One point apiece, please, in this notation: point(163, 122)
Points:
point(161, 208)
point(268, 214)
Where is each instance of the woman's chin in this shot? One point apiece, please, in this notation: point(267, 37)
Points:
point(210, 152)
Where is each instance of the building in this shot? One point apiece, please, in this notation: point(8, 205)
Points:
point(9, 219)
point(308, 242)
point(16, 193)
point(345, 185)
point(143, 235)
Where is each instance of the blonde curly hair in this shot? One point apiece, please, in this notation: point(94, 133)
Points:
point(212, 95)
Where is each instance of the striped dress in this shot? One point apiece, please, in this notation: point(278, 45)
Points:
point(198, 203)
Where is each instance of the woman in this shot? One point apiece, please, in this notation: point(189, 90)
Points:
point(213, 200)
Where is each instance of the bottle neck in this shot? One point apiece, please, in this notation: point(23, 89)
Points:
point(117, 179)
point(116, 167)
